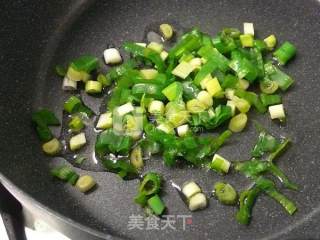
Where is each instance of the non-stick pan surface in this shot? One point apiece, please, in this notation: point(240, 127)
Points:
point(37, 35)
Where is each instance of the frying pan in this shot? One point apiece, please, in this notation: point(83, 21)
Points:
point(37, 35)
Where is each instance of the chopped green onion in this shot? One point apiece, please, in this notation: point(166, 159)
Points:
point(77, 141)
point(268, 86)
point(197, 202)
point(246, 40)
point(93, 87)
point(85, 183)
point(85, 64)
point(269, 188)
point(166, 30)
point(195, 106)
point(247, 199)
point(105, 82)
point(76, 124)
point(270, 41)
point(156, 204)
point(238, 122)
point(44, 133)
point(166, 127)
point(275, 74)
point(285, 52)
point(173, 91)
point(150, 184)
point(241, 104)
point(112, 56)
point(53, 147)
point(74, 75)
point(213, 87)
point(220, 164)
point(136, 157)
point(71, 104)
point(231, 104)
point(105, 121)
point(65, 173)
point(277, 112)
point(268, 100)
point(189, 189)
point(149, 73)
point(225, 193)
point(45, 117)
point(157, 47)
point(69, 85)
point(280, 149)
point(79, 160)
point(156, 107)
point(205, 98)
point(183, 70)
point(248, 28)
point(141, 199)
point(164, 55)
point(183, 130)
point(243, 84)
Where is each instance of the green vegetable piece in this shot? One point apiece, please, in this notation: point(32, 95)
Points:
point(53, 147)
point(285, 52)
point(65, 173)
point(252, 98)
point(166, 30)
point(206, 69)
point(269, 100)
point(105, 82)
point(246, 40)
point(72, 104)
point(260, 45)
point(44, 133)
point(150, 184)
point(76, 124)
point(149, 90)
point(209, 52)
point(141, 199)
point(85, 63)
point(173, 91)
point(109, 142)
point(225, 193)
point(156, 204)
point(136, 157)
point(85, 183)
point(45, 117)
point(124, 169)
point(244, 68)
point(268, 87)
point(247, 199)
point(275, 74)
point(266, 143)
point(279, 150)
point(189, 42)
point(269, 188)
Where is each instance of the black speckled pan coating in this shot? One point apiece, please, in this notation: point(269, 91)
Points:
point(36, 35)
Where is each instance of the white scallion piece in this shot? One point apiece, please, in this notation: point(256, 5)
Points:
point(197, 202)
point(112, 56)
point(248, 28)
point(213, 87)
point(196, 63)
point(124, 109)
point(183, 70)
point(182, 130)
point(277, 112)
point(156, 107)
point(68, 85)
point(149, 73)
point(85, 183)
point(204, 81)
point(105, 121)
point(189, 189)
point(205, 98)
point(77, 141)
